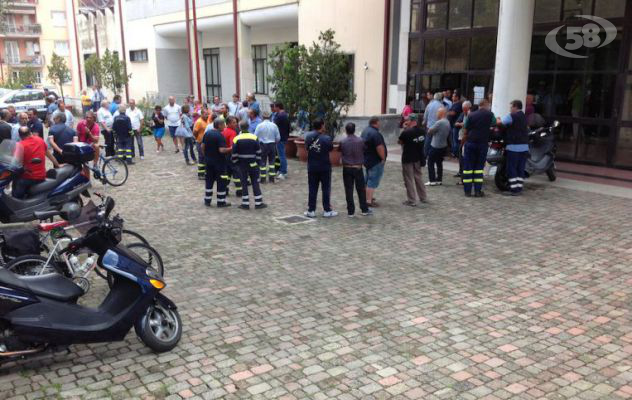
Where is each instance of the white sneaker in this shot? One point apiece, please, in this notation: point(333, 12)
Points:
point(330, 214)
point(310, 214)
point(430, 184)
point(142, 157)
point(281, 177)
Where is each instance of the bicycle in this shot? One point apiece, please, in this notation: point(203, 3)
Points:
point(110, 170)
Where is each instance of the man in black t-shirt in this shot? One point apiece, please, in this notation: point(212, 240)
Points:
point(413, 159)
point(215, 149)
point(59, 135)
point(5, 127)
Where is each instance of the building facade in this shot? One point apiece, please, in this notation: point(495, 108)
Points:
point(32, 30)
point(501, 47)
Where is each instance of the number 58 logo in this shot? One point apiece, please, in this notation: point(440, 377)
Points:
point(578, 36)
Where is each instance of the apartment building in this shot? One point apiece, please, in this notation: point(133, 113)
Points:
point(31, 31)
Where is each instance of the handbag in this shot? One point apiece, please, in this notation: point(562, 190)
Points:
point(181, 131)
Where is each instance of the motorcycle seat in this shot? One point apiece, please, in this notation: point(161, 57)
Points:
point(51, 286)
point(53, 178)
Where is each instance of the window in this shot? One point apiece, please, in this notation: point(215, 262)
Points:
point(458, 50)
point(138, 55)
point(30, 48)
point(577, 7)
point(414, 53)
point(38, 79)
point(59, 19)
point(434, 50)
point(460, 14)
point(61, 48)
point(415, 15)
point(260, 61)
point(610, 8)
point(12, 52)
point(485, 13)
point(483, 52)
point(547, 11)
point(213, 73)
point(436, 15)
point(351, 68)
point(16, 76)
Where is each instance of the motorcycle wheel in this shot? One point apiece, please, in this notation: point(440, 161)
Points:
point(32, 265)
point(160, 328)
point(500, 179)
point(551, 174)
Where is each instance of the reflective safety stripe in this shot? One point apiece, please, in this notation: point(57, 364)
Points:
point(516, 186)
point(209, 190)
point(252, 165)
point(467, 172)
point(245, 197)
point(512, 180)
point(259, 197)
point(245, 156)
point(225, 177)
point(208, 197)
point(467, 180)
point(479, 171)
point(221, 193)
point(477, 181)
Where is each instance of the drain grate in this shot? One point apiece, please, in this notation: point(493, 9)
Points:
point(294, 219)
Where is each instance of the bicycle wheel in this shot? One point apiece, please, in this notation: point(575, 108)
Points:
point(32, 265)
point(146, 253)
point(114, 171)
point(129, 237)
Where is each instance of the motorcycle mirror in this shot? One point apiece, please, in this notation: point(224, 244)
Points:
point(70, 211)
point(556, 124)
point(109, 206)
point(36, 161)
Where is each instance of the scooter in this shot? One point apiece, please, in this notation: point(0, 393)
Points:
point(541, 156)
point(41, 313)
point(62, 185)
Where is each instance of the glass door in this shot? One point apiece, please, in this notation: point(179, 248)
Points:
point(213, 74)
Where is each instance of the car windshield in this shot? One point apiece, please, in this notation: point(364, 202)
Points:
point(7, 96)
point(10, 154)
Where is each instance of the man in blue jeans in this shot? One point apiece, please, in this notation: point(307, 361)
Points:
point(374, 158)
point(476, 140)
point(282, 120)
point(319, 145)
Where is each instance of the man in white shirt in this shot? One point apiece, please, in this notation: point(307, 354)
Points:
point(138, 121)
point(172, 120)
point(234, 106)
point(105, 120)
point(70, 120)
point(268, 135)
point(97, 97)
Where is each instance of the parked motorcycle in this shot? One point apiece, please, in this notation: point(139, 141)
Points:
point(62, 185)
point(541, 156)
point(41, 312)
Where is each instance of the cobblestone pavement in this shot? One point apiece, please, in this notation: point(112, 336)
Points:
point(491, 298)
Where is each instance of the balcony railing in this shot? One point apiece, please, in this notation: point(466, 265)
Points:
point(33, 61)
point(18, 30)
point(21, 3)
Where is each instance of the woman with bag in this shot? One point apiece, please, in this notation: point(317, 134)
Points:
point(185, 131)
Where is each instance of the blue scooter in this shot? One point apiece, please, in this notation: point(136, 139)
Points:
point(41, 312)
point(62, 185)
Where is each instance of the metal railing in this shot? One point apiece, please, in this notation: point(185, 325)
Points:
point(35, 61)
point(32, 29)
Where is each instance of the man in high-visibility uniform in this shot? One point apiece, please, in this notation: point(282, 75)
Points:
point(232, 173)
point(199, 129)
point(215, 149)
point(246, 156)
point(475, 145)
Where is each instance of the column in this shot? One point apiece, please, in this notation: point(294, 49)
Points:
point(246, 70)
point(513, 52)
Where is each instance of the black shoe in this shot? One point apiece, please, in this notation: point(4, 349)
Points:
point(238, 193)
point(207, 204)
point(468, 194)
point(130, 163)
point(244, 207)
point(457, 175)
point(507, 194)
point(263, 182)
point(479, 194)
point(261, 206)
point(177, 151)
point(223, 205)
point(271, 180)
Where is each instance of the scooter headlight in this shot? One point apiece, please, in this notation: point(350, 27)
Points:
point(155, 279)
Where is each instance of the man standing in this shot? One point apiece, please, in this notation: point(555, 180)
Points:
point(253, 104)
point(375, 154)
point(412, 141)
point(243, 113)
point(88, 132)
point(116, 102)
point(438, 135)
point(268, 135)
point(172, 116)
point(5, 127)
point(51, 107)
point(253, 120)
point(517, 147)
point(352, 149)
point(105, 120)
point(453, 114)
point(247, 156)
point(70, 120)
point(13, 118)
point(234, 106)
point(319, 145)
point(59, 135)
point(430, 116)
point(216, 107)
point(97, 97)
point(476, 140)
point(34, 173)
point(23, 120)
point(232, 173)
point(199, 129)
point(282, 121)
point(138, 121)
point(215, 149)
point(34, 124)
point(459, 124)
point(122, 126)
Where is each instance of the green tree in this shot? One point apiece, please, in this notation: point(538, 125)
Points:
point(26, 77)
point(315, 79)
point(58, 72)
point(114, 74)
point(94, 67)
